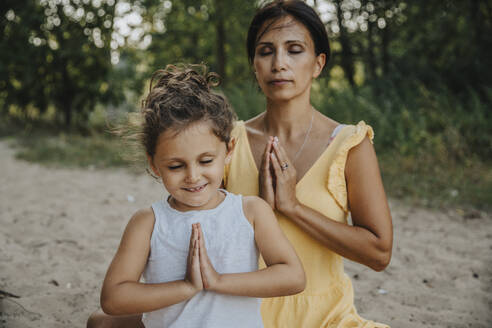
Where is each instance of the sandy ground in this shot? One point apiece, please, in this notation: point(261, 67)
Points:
point(59, 228)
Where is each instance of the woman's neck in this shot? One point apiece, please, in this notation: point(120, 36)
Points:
point(287, 119)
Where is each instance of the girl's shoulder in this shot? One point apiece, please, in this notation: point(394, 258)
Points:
point(142, 221)
point(254, 206)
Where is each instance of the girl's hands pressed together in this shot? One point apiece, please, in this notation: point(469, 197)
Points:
point(193, 274)
point(286, 179)
point(210, 277)
point(267, 183)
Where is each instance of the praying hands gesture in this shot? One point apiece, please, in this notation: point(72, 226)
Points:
point(200, 273)
point(124, 294)
point(278, 178)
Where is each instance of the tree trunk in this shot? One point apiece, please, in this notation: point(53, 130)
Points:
point(385, 57)
point(346, 60)
point(221, 40)
point(371, 61)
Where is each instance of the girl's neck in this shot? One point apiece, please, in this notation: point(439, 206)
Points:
point(287, 119)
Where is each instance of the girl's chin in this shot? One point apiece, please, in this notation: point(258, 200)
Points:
point(194, 203)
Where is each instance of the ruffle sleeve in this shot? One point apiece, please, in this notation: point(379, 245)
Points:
point(336, 176)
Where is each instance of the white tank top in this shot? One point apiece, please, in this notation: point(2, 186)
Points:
point(231, 247)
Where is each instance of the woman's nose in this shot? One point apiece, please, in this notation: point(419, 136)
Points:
point(278, 61)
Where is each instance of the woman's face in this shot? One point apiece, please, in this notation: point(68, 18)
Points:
point(285, 61)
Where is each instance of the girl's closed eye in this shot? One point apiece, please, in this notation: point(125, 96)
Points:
point(175, 167)
point(207, 161)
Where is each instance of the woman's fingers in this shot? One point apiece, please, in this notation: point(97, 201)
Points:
point(265, 161)
point(276, 165)
point(281, 155)
point(266, 178)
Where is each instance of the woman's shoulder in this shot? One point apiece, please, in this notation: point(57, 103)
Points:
point(356, 133)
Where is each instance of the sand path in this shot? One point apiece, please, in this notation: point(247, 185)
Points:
point(59, 229)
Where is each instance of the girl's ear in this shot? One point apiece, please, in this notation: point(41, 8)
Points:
point(152, 166)
point(320, 63)
point(230, 150)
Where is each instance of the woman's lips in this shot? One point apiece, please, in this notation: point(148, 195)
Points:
point(279, 82)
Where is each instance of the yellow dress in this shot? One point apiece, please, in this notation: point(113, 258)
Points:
point(328, 299)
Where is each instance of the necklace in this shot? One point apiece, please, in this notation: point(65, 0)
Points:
point(305, 138)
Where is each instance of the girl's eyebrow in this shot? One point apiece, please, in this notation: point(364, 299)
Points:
point(177, 159)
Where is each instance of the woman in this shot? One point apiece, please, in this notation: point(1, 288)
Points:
point(311, 173)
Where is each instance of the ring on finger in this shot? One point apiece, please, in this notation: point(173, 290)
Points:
point(284, 166)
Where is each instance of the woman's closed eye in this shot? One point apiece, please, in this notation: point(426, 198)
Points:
point(296, 49)
point(265, 51)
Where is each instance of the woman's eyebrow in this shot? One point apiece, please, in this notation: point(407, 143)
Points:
point(295, 41)
point(288, 41)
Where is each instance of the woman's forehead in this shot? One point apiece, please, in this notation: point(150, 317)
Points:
point(285, 28)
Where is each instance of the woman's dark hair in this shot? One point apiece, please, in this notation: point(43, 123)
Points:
point(179, 96)
point(301, 12)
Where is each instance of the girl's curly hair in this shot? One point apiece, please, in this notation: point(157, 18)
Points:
point(179, 96)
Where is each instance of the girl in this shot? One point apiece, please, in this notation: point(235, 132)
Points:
point(312, 172)
point(197, 249)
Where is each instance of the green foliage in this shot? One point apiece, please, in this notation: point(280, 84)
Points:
point(418, 71)
point(58, 55)
point(208, 31)
point(246, 99)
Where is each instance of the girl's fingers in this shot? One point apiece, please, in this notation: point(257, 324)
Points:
point(201, 242)
point(196, 249)
point(192, 236)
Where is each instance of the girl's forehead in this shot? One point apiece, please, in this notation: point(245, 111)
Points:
point(192, 139)
point(287, 28)
point(190, 131)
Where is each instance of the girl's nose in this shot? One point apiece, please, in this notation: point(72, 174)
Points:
point(192, 174)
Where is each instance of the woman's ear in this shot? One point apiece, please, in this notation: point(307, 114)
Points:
point(320, 63)
point(152, 166)
point(230, 149)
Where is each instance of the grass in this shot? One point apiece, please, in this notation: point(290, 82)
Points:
point(432, 184)
point(70, 150)
point(433, 149)
point(406, 178)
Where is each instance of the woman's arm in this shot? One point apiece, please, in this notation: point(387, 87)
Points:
point(122, 293)
point(369, 241)
point(284, 274)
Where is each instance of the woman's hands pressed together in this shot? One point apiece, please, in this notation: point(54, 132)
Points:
point(369, 239)
point(278, 178)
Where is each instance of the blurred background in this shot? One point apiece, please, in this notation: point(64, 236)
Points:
point(419, 72)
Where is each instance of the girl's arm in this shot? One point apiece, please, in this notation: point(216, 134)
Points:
point(369, 241)
point(122, 293)
point(284, 274)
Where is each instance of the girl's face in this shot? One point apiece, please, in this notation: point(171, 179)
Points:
point(285, 61)
point(191, 166)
